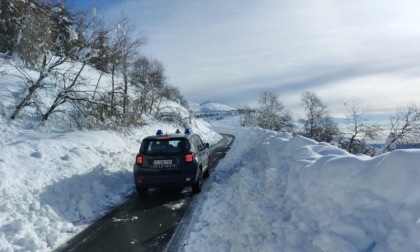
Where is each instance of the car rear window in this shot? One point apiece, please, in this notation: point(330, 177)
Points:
point(164, 146)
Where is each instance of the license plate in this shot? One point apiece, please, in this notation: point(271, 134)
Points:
point(162, 162)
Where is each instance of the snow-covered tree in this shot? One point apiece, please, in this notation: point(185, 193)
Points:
point(272, 114)
point(101, 44)
point(61, 46)
point(29, 28)
point(11, 20)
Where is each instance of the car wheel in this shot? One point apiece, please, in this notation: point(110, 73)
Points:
point(141, 191)
point(196, 188)
point(207, 172)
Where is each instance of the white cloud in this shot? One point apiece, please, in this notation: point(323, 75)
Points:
point(230, 51)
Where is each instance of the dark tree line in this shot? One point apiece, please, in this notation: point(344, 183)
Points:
point(61, 45)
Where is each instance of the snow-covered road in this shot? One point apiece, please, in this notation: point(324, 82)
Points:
point(144, 223)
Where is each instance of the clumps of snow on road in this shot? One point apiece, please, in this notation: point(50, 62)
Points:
point(275, 192)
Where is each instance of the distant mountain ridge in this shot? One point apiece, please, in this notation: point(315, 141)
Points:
point(209, 106)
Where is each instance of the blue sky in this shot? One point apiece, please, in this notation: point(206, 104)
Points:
point(231, 51)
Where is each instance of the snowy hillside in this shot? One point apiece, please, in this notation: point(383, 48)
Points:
point(274, 192)
point(52, 182)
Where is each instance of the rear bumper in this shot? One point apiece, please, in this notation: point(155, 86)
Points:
point(164, 178)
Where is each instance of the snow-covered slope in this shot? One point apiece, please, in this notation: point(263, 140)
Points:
point(275, 192)
point(53, 183)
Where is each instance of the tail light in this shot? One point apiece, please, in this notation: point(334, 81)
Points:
point(189, 158)
point(139, 160)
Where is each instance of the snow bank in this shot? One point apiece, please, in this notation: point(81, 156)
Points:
point(275, 192)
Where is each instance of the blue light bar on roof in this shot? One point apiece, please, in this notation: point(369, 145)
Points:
point(187, 131)
point(159, 132)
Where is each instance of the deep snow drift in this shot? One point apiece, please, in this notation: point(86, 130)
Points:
point(275, 192)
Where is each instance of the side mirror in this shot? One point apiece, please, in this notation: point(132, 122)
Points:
point(206, 145)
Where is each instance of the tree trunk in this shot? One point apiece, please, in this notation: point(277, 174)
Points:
point(112, 88)
point(26, 100)
point(58, 101)
point(97, 85)
point(125, 98)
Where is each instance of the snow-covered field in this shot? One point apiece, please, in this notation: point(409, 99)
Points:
point(275, 192)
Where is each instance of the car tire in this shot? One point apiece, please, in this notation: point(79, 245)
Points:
point(196, 188)
point(207, 172)
point(141, 191)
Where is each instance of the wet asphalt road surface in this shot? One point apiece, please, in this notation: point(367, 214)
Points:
point(143, 224)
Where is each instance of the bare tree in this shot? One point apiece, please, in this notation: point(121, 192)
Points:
point(318, 123)
point(67, 93)
point(248, 116)
point(149, 78)
point(272, 114)
point(357, 130)
point(123, 53)
point(129, 46)
point(404, 127)
point(115, 55)
point(139, 78)
point(48, 65)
